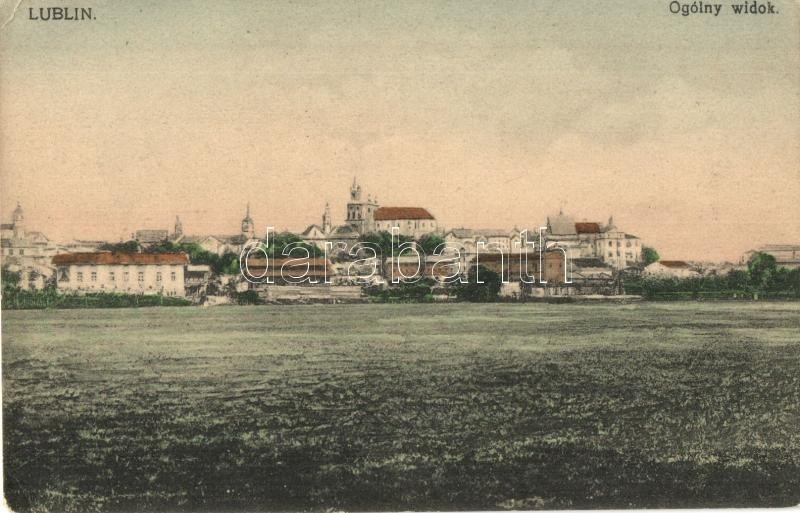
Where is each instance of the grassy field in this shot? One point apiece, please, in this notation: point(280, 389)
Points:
point(402, 407)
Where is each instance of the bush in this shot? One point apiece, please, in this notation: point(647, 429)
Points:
point(49, 298)
point(476, 292)
point(248, 297)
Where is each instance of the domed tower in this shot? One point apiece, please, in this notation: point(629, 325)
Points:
point(18, 221)
point(248, 227)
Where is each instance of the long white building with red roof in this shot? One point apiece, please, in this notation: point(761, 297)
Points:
point(129, 273)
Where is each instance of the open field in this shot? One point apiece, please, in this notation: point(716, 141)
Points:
point(402, 407)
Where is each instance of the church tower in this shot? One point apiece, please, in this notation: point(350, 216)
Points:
point(360, 213)
point(18, 220)
point(178, 228)
point(248, 227)
point(327, 225)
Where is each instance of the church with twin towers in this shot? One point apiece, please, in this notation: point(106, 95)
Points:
point(365, 215)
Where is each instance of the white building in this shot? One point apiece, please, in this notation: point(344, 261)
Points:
point(585, 239)
point(786, 255)
point(26, 252)
point(670, 269)
point(493, 240)
point(411, 221)
point(129, 273)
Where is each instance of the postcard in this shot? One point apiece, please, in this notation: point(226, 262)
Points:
point(399, 256)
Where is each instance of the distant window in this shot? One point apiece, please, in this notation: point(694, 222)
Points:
point(609, 244)
point(158, 276)
point(10, 251)
point(111, 276)
point(21, 252)
point(610, 254)
point(125, 276)
point(94, 276)
point(628, 244)
point(173, 276)
point(141, 276)
point(79, 276)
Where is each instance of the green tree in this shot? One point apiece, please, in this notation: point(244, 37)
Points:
point(11, 287)
point(738, 280)
point(762, 269)
point(649, 255)
point(228, 263)
point(383, 243)
point(479, 292)
point(10, 278)
point(430, 242)
point(130, 246)
point(279, 241)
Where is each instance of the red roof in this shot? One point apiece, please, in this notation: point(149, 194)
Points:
point(257, 267)
point(673, 264)
point(291, 273)
point(392, 213)
point(587, 227)
point(533, 256)
point(106, 258)
point(279, 262)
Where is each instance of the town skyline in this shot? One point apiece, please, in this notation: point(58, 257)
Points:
point(261, 226)
point(683, 129)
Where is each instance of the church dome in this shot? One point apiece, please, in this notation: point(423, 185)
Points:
point(17, 214)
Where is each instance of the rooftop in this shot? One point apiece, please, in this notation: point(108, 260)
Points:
point(561, 225)
point(584, 227)
point(392, 213)
point(674, 264)
point(108, 258)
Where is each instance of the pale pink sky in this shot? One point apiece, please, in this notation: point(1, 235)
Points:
point(684, 128)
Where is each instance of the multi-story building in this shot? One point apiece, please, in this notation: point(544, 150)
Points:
point(548, 266)
point(786, 255)
point(411, 221)
point(130, 273)
point(26, 252)
point(196, 280)
point(492, 240)
point(285, 271)
point(606, 243)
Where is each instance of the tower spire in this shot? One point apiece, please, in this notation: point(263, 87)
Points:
point(178, 227)
point(248, 227)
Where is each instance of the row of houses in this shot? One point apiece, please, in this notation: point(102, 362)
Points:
point(172, 274)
